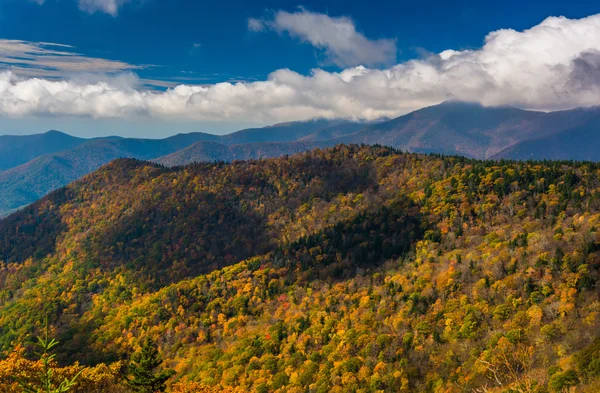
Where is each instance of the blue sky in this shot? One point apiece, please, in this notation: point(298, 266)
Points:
point(140, 48)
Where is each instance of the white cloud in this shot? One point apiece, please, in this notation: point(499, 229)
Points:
point(110, 7)
point(255, 25)
point(553, 65)
point(337, 37)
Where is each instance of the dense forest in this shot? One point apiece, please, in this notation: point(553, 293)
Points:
point(350, 269)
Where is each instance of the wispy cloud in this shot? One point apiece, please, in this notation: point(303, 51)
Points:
point(553, 65)
point(338, 37)
point(50, 60)
point(110, 7)
point(194, 48)
point(256, 25)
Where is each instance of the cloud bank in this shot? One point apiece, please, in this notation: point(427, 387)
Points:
point(554, 65)
point(342, 44)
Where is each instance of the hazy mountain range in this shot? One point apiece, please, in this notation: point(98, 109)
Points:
point(50, 168)
point(33, 165)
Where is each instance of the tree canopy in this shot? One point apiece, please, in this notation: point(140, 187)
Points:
point(351, 269)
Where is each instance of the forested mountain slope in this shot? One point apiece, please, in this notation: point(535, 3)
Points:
point(452, 127)
point(38, 164)
point(27, 183)
point(345, 269)
point(211, 152)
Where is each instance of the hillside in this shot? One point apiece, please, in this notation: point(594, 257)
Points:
point(313, 130)
point(469, 130)
point(453, 128)
point(38, 164)
point(209, 151)
point(345, 269)
point(333, 132)
point(268, 142)
point(27, 183)
point(16, 149)
point(579, 142)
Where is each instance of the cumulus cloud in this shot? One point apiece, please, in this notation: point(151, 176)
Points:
point(553, 65)
point(110, 7)
point(586, 70)
point(343, 45)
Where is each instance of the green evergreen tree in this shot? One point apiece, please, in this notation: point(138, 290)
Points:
point(144, 369)
point(46, 383)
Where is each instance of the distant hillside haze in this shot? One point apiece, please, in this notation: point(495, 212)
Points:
point(31, 166)
point(467, 129)
point(451, 128)
point(268, 142)
point(288, 132)
point(581, 142)
point(26, 183)
point(333, 132)
point(18, 149)
point(49, 167)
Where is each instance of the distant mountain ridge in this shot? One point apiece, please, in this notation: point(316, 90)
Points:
point(28, 182)
point(37, 164)
point(268, 142)
point(18, 149)
point(51, 168)
point(289, 132)
point(451, 128)
point(467, 129)
point(580, 142)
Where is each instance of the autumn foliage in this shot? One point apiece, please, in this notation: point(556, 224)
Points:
point(352, 269)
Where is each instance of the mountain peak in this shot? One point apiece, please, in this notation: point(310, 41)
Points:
point(460, 104)
point(56, 133)
point(456, 102)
